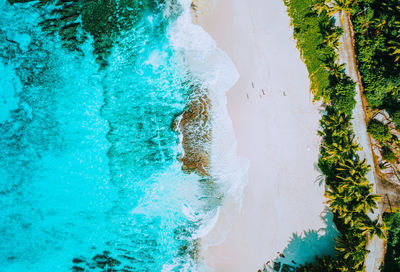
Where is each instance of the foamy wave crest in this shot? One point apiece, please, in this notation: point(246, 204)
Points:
point(216, 73)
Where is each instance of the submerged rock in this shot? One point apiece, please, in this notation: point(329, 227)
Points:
point(195, 126)
point(103, 260)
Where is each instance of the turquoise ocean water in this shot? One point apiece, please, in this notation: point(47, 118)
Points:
point(89, 175)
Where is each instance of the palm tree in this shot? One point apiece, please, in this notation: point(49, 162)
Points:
point(320, 7)
point(330, 35)
point(336, 69)
point(368, 203)
point(336, 202)
point(374, 228)
point(352, 248)
point(330, 57)
point(334, 123)
point(333, 40)
point(353, 167)
point(342, 7)
point(345, 149)
point(395, 46)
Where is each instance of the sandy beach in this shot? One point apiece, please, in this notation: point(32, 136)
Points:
point(275, 124)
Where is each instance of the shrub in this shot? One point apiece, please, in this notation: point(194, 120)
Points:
point(396, 117)
point(392, 257)
point(343, 95)
point(379, 131)
point(388, 154)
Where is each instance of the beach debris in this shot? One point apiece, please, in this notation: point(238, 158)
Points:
point(263, 91)
point(284, 93)
point(247, 96)
point(252, 84)
point(281, 255)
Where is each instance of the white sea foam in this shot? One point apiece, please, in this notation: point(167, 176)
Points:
point(215, 72)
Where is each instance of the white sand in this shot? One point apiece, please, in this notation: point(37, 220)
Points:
point(276, 132)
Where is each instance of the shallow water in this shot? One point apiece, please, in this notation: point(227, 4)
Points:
point(89, 175)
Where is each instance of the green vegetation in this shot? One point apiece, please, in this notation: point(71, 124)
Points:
point(388, 154)
point(348, 191)
point(313, 34)
point(396, 117)
point(379, 131)
point(377, 42)
point(317, 38)
point(392, 257)
point(377, 33)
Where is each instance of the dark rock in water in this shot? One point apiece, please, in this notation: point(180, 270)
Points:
point(68, 30)
point(92, 265)
point(44, 2)
point(19, 1)
point(130, 258)
point(49, 28)
point(77, 260)
point(277, 266)
point(102, 19)
point(62, 2)
point(103, 259)
point(77, 269)
point(67, 10)
point(95, 18)
point(287, 268)
point(70, 18)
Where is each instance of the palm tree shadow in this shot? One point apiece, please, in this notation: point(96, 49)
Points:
point(320, 179)
point(302, 248)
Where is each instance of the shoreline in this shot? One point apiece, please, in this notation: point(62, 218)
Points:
point(275, 124)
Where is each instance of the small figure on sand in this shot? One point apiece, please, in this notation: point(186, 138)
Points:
point(263, 91)
point(284, 93)
point(281, 255)
point(247, 96)
point(252, 84)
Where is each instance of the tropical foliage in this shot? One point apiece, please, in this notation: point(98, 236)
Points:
point(379, 131)
point(392, 257)
point(348, 191)
point(377, 34)
point(377, 41)
point(317, 35)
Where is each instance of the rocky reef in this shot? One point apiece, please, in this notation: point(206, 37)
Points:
point(195, 126)
point(74, 21)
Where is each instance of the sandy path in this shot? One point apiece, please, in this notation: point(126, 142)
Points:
point(275, 124)
point(347, 55)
